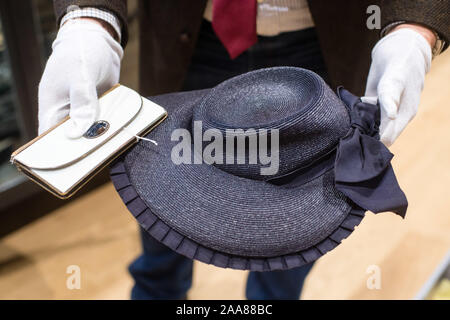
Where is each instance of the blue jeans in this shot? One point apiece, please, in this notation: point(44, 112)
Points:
point(161, 273)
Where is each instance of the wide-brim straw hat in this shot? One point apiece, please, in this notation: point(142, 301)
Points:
point(332, 168)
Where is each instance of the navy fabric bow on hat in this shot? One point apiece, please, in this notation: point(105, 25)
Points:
point(363, 170)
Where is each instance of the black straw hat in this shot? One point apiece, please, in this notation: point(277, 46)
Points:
point(331, 169)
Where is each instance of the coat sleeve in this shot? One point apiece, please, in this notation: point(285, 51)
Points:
point(431, 13)
point(118, 7)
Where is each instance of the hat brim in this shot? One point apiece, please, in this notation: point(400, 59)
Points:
point(218, 218)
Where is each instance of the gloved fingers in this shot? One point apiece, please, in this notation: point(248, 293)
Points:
point(388, 132)
point(83, 80)
point(52, 116)
point(108, 80)
point(370, 99)
point(83, 108)
point(53, 100)
point(84, 105)
point(116, 48)
point(100, 66)
point(373, 79)
point(371, 88)
point(390, 93)
point(390, 129)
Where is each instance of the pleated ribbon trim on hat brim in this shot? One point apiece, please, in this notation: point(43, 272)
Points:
point(183, 245)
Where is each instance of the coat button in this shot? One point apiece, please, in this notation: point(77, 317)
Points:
point(185, 37)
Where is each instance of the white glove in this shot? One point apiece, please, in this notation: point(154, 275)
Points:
point(400, 61)
point(85, 62)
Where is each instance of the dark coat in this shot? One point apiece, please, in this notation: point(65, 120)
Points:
point(169, 29)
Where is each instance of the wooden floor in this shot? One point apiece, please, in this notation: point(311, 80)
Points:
point(97, 233)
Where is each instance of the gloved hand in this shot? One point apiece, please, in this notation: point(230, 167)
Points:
point(85, 62)
point(400, 61)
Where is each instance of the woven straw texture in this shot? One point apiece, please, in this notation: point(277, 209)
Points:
point(233, 218)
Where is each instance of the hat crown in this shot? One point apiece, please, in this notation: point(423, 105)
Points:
point(308, 115)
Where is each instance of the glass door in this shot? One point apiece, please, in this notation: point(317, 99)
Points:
point(27, 29)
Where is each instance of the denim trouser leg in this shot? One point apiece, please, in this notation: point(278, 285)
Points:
point(286, 284)
point(160, 273)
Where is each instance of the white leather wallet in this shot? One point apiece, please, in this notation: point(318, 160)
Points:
point(62, 165)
